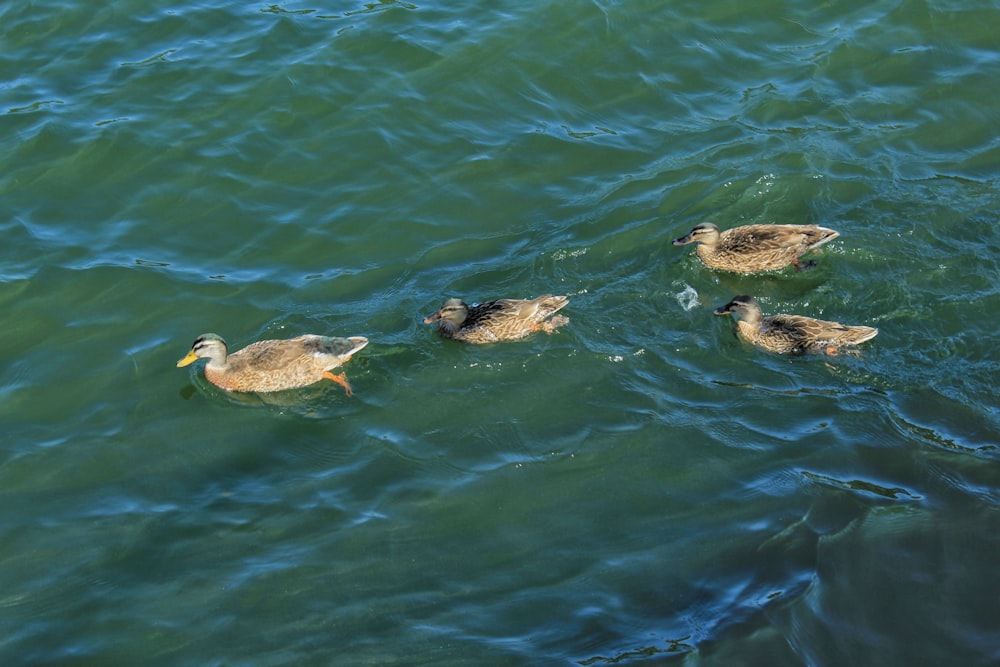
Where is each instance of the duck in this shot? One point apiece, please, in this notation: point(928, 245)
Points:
point(753, 248)
point(274, 365)
point(498, 320)
point(791, 334)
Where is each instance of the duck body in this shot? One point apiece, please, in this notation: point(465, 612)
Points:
point(498, 320)
point(753, 248)
point(792, 334)
point(274, 365)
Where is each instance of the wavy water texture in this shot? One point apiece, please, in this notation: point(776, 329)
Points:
point(640, 487)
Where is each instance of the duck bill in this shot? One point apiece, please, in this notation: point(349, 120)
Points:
point(722, 310)
point(431, 319)
point(189, 359)
point(684, 240)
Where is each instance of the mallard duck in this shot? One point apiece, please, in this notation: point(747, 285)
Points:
point(753, 248)
point(274, 365)
point(791, 334)
point(502, 319)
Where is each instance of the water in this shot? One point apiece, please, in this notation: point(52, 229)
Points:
point(640, 488)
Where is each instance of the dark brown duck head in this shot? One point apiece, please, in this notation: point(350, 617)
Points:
point(705, 232)
point(742, 307)
point(453, 312)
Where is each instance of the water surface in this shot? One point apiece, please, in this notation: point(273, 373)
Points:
point(641, 487)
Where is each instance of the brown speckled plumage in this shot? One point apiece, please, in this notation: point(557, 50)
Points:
point(499, 320)
point(274, 365)
point(753, 248)
point(791, 334)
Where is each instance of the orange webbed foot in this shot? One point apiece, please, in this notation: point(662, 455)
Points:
point(339, 379)
point(551, 325)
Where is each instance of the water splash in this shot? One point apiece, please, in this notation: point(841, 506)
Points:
point(687, 297)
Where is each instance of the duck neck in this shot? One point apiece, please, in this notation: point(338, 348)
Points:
point(448, 327)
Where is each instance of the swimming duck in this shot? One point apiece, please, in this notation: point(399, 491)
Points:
point(498, 320)
point(274, 365)
point(791, 334)
point(753, 248)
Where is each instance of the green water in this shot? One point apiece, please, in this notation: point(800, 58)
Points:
point(639, 488)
